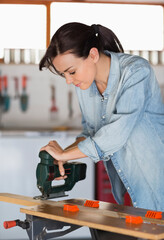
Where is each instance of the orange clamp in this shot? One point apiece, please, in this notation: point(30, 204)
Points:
point(134, 219)
point(71, 208)
point(90, 203)
point(154, 214)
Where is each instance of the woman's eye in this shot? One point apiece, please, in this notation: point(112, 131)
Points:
point(72, 73)
point(62, 74)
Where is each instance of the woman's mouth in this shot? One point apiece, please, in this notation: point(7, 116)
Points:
point(78, 85)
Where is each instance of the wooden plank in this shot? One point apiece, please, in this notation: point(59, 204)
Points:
point(96, 220)
point(107, 209)
point(28, 201)
point(18, 199)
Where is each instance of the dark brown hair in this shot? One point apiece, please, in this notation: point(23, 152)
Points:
point(78, 39)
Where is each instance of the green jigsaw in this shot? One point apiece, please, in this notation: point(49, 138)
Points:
point(47, 171)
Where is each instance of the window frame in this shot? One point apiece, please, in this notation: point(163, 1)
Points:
point(47, 3)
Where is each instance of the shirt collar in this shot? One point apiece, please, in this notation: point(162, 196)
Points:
point(114, 76)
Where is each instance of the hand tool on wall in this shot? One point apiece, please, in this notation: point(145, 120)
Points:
point(1, 100)
point(16, 88)
point(53, 109)
point(1, 97)
point(47, 171)
point(24, 97)
point(6, 98)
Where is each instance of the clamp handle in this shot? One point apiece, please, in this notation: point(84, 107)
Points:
point(9, 224)
point(23, 224)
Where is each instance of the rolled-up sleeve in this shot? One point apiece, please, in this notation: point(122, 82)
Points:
point(129, 109)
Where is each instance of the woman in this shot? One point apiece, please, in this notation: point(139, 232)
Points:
point(122, 111)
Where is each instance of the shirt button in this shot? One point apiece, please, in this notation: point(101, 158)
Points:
point(119, 170)
point(128, 188)
point(103, 117)
point(105, 98)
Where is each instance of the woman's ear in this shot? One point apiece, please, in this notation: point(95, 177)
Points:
point(94, 54)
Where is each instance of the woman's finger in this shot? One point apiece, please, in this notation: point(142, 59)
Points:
point(61, 178)
point(61, 168)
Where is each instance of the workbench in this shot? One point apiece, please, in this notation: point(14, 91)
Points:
point(48, 219)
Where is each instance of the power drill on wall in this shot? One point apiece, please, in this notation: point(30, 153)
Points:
point(47, 171)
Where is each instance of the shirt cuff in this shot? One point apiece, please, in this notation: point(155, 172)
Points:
point(92, 150)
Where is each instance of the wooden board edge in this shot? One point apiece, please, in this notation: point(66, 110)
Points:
point(18, 199)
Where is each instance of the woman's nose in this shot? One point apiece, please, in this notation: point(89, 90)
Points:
point(69, 79)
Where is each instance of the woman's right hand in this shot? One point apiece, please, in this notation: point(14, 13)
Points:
point(61, 156)
point(55, 150)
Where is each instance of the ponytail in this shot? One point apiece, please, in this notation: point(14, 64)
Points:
point(109, 40)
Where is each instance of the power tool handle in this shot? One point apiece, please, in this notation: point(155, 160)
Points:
point(67, 168)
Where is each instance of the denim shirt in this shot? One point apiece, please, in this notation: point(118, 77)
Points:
point(124, 127)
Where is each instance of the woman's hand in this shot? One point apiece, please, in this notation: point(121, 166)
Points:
point(55, 150)
point(62, 156)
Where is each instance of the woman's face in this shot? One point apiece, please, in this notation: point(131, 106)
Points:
point(77, 71)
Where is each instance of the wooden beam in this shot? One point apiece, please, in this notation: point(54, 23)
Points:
point(23, 2)
point(115, 2)
point(45, 2)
